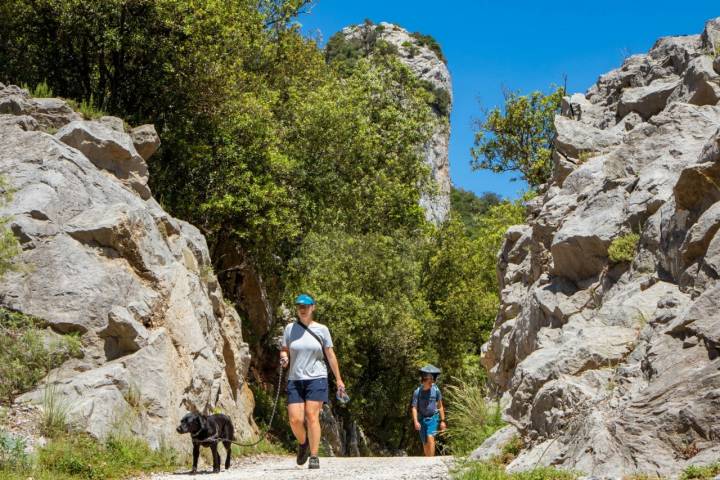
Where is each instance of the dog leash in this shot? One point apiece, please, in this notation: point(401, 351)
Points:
point(267, 428)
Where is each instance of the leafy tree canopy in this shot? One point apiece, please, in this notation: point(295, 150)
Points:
point(519, 137)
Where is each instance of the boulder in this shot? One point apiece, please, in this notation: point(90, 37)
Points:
point(146, 140)
point(574, 137)
point(157, 338)
point(700, 84)
point(110, 150)
point(648, 100)
point(493, 446)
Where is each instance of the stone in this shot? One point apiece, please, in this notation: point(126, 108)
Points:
point(146, 140)
point(574, 137)
point(493, 445)
point(110, 150)
point(648, 100)
point(157, 339)
point(700, 84)
point(25, 122)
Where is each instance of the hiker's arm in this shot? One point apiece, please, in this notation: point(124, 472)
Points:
point(415, 420)
point(332, 360)
point(441, 407)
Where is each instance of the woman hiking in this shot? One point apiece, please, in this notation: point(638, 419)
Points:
point(307, 349)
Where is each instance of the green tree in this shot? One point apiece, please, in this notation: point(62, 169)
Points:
point(460, 284)
point(468, 207)
point(519, 137)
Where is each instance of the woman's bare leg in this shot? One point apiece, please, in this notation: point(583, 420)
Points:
point(312, 415)
point(296, 414)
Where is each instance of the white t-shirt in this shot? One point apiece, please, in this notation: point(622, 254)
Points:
point(306, 355)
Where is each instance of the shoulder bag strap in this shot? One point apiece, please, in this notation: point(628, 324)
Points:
point(316, 337)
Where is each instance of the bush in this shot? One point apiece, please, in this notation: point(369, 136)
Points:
point(704, 473)
point(486, 471)
point(431, 43)
point(12, 453)
point(471, 419)
point(9, 246)
point(25, 358)
point(622, 249)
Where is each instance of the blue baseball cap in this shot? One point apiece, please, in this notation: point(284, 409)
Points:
point(304, 299)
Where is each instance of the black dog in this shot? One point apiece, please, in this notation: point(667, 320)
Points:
point(208, 431)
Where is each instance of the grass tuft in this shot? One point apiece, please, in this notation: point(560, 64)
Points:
point(488, 471)
point(471, 419)
point(41, 90)
point(54, 421)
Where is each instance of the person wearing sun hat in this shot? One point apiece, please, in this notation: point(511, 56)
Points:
point(307, 350)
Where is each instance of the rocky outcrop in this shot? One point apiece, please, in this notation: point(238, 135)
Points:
point(426, 63)
point(103, 259)
point(609, 362)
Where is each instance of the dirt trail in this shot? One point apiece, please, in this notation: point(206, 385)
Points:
point(356, 468)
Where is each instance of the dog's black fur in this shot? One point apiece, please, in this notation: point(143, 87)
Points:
point(208, 430)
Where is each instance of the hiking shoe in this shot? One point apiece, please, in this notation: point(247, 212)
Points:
point(303, 453)
point(314, 463)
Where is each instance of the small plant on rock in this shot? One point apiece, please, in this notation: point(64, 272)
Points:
point(54, 421)
point(703, 473)
point(622, 249)
point(12, 453)
point(41, 90)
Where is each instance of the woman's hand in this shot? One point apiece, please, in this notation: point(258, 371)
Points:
point(417, 425)
point(443, 425)
point(284, 361)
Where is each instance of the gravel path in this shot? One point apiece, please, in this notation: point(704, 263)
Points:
point(356, 468)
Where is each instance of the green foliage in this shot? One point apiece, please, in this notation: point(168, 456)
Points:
point(489, 471)
point(622, 249)
point(468, 207)
point(704, 473)
point(431, 43)
point(12, 453)
point(519, 136)
point(440, 100)
point(471, 419)
point(41, 90)
point(82, 457)
point(27, 354)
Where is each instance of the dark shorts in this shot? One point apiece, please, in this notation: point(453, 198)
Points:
point(299, 391)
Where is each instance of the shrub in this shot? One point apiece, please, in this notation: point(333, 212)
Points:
point(431, 43)
point(470, 418)
point(89, 109)
point(703, 473)
point(622, 249)
point(41, 90)
point(24, 357)
point(9, 246)
point(12, 453)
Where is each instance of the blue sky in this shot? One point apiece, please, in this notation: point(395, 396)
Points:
point(520, 45)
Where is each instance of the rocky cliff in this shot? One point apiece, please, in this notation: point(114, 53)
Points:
point(607, 344)
point(423, 57)
point(101, 258)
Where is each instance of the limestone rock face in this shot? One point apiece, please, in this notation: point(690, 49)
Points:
point(106, 261)
point(429, 67)
point(611, 367)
